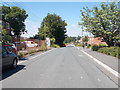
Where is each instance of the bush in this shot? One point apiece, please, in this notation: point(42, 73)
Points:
point(113, 51)
point(77, 44)
point(88, 46)
point(102, 45)
point(43, 47)
point(55, 46)
point(95, 47)
point(20, 55)
point(32, 51)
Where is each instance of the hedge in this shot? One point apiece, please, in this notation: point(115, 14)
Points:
point(96, 47)
point(113, 51)
point(55, 46)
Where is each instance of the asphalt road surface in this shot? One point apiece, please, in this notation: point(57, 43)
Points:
point(59, 68)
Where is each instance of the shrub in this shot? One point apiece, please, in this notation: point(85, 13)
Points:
point(20, 55)
point(95, 47)
point(77, 44)
point(32, 51)
point(113, 51)
point(43, 47)
point(102, 45)
point(55, 46)
point(88, 46)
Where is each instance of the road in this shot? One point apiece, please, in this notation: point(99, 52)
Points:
point(65, 67)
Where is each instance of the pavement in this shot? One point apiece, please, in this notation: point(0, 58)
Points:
point(66, 67)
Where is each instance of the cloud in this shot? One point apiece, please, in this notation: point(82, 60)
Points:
point(73, 25)
point(73, 30)
point(27, 21)
point(31, 27)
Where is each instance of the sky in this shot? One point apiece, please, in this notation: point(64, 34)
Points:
point(68, 11)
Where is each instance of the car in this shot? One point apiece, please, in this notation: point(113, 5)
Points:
point(63, 45)
point(11, 47)
point(9, 59)
point(71, 45)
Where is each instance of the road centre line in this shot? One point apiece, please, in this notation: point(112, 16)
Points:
point(102, 64)
point(37, 55)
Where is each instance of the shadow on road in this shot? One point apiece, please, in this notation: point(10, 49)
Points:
point(9, 72)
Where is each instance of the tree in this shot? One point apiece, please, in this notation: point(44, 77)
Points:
point(102, 22)
point(71, 39)
point(79, 37)
point(53, 26)
point(16, 17)
point(5, 37)
point(85, 39)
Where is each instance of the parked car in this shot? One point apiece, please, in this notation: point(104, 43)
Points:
point(71, 45)
point(31, 44)
point(63, 45)
point(9, 59)
point(11, 47)
point(20, 45)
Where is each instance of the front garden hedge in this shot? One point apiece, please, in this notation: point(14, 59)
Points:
point(113, 51)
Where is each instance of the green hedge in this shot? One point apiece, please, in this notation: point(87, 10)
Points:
point(96, 47)
point(88, 46)
point(55, 46)
point(113, 51)
point(77, 44)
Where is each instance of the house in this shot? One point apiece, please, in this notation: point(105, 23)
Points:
point(5, 25)
point(95, 41)
point(30, 44)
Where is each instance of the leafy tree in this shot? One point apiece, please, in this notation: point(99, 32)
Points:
point(16, 17)
point(79, 37)
point(53, 26)
point(5, 37)
point(85, 39)
point(102, 22)
point(70, 39)
point(36, 37)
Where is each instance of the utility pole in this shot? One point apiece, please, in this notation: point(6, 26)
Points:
point(82, 32)
point(45, 35)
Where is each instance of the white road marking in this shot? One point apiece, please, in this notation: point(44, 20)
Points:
point(104, 65)
point(36, 56)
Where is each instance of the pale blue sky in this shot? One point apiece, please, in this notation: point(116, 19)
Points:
point(69, 11)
